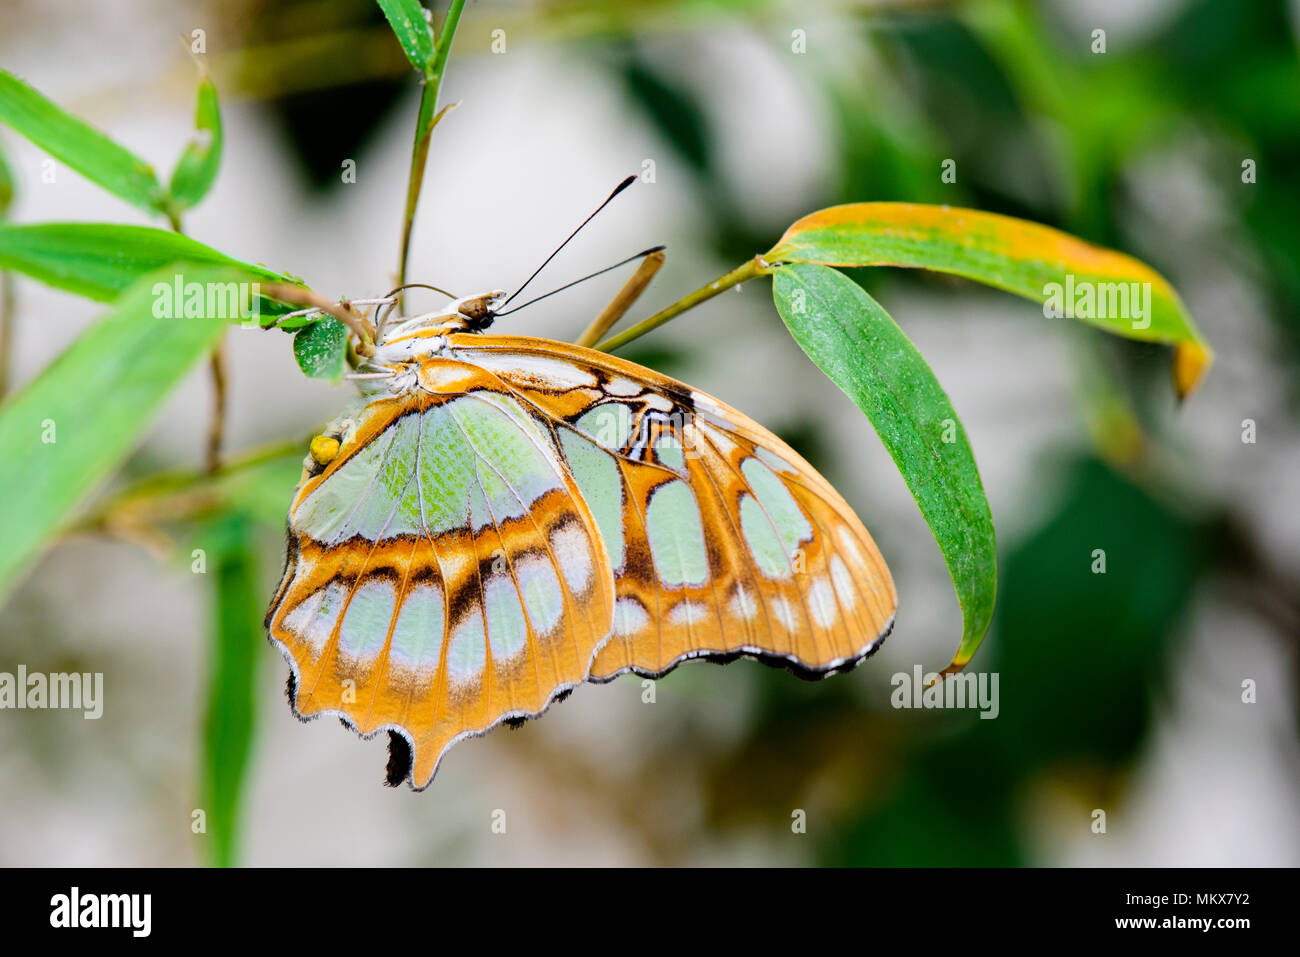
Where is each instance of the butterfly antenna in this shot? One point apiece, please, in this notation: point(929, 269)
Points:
point(599, 272)
point(391, 301)
point(617, 189)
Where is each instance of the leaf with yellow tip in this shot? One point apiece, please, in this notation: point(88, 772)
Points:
point(1025, 258)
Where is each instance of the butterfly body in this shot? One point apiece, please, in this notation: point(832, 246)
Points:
point(506, 517)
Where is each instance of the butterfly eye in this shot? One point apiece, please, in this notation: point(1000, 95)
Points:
point(475, 308)
point(323, 449)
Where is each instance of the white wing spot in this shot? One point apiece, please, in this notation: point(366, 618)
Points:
point(843, 582)
point(622, 387)
point(822, 601)
point(629, 617)
point(743, 604)
point(468, 651)
point(707, 404)
point(687, 613)
point(317, 624)
point(850, 545)
point(784, 613)
point(570, 547)
point(543, 598)
point(297, 620)
point(726, 445)
point(365, 625)
point(542, 371)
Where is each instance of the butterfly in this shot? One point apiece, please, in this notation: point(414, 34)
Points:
point(498, 519)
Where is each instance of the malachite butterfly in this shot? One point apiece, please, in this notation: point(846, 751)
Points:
point(500, 518)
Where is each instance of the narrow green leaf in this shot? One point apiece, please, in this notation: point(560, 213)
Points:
point(235, 653)
point(1028, 259)
point(322, 349)
point(409, 22)
point(78, 145)
point(100, 260)
point(196, 170)
point(860, 348)
point(70, 427)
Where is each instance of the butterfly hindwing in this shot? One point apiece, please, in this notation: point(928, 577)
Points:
point(721, 538)
point(444, 572)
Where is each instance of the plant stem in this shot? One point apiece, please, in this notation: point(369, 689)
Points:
point(427, 120)
point(415, 179)
point(177, 495)
point(443, 48)
point(217, 367)
point(217, 428)
point(743, 273)
point(344, 313)
point(622, 302)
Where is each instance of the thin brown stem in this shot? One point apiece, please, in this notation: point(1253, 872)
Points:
point(217, 367)
point(175, 496)
point(359, 325)
point(622, 302)
point(750, 270)
point(217, 428)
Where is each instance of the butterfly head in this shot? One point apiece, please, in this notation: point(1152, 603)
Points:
point(468, 314)
point(408, 343)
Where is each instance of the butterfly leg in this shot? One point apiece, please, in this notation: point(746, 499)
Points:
point(622, 302)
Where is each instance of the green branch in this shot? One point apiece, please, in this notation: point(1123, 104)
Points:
point(743, 273)
point(428, 118)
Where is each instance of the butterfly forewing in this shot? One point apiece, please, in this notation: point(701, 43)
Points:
point(722, 540)
point(445, 572)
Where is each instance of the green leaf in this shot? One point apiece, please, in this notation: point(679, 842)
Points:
point(100, 260)
point(78, 145)
point(1031, 260)
point(235, 653)
point(860, 348)
point(409, 22)
point(322, 349)
point(69, 428)
point(196, 170)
